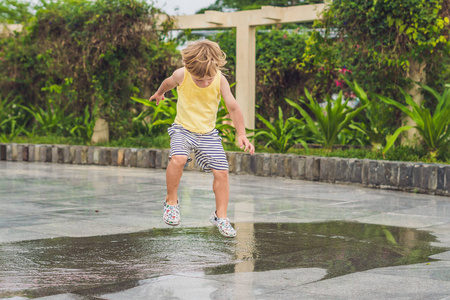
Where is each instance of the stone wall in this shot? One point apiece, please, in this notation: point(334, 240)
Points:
point(404, 176)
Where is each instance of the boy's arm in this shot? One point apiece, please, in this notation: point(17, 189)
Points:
point(236, 115)
point(168, 84)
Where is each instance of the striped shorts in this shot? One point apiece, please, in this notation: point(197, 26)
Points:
point(207, 147)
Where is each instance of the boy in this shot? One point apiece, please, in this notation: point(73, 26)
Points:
point(199, 84)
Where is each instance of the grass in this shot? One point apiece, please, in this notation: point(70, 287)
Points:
point(399, 153)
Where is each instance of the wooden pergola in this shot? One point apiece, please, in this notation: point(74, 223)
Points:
point(245, 23)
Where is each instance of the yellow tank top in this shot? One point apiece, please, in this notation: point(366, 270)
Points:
point(197, 107)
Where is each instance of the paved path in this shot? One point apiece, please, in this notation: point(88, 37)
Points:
point(91, 232)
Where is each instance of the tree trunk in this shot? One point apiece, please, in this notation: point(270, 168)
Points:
point(418, 75)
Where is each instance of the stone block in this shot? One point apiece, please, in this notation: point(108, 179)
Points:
point(384, 170)
point(280, 165)
point(104, 156)
point(380, 173)
point(2, 151)
point(15, 152)
point(231, 158)
point(357, 171)
point(120, 157)
point(152, 157)
point(37, 151)
point(96, 156)
point(238, 162)
point(288, 165)
point(417, 175)
point(72, 154)
point(245, 163)
point(31, 151)
point(55, 154)
point(143, 158)
point(84, 155)
point(24, 152)
point(429, 180)
point(266, 164)
point(252, 164)
point(45, 153)
point(405, 175)
point(341, 168)
point(394, 179)
point(77, 156)
point(440, 186)
point(67, 155)
point(373, 173)
point(447, 181)
point(130, 157)
point(9, 152)
point(331, 169)
point(301, 167)
point(273, 164)
point(365, 172)
point(114, 154)
point(348, 175)
point(312, 168)
point(90, 155)
point(258, 163)
point(323, 174)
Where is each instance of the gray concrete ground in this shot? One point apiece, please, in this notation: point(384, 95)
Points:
point(91, 232)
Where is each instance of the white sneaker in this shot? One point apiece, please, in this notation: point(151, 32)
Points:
point(171, 215)
point(223, 224)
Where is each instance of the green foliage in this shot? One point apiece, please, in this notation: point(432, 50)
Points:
point(81, 52)
point(278, 52)
point(83, 126)
point(433, 128)
point(375, 118)
point(149, 121)
point(377, 41)
point(51, 120)
point(282, 135)
point(14, 11)
point(331, 120)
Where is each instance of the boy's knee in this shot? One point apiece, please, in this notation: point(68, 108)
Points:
point(178, 160)
point(221, 174)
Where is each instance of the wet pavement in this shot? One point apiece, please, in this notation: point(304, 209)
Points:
point(91, 232)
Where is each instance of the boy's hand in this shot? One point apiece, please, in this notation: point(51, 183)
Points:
point(245, 143)
point(157, 97)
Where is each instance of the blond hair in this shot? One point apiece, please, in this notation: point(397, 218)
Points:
point(203, 58)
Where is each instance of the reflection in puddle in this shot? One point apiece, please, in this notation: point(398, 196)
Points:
point(112, 263)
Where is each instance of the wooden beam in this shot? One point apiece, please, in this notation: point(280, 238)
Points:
point(265, 16)
point(245, 22)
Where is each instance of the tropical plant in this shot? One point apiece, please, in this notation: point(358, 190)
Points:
point(164, 114)
point(83, 126)
point(331, 120)
point(381, 42)
point(282, 135)
point(433, 128)
point(376, 118)
point(110, 49)
point(52, 119)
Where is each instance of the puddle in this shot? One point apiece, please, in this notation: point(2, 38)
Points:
point(96, 265)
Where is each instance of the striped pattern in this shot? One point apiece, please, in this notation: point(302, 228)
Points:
point(207, 148)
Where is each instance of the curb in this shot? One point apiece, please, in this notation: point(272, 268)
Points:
point(422, 178)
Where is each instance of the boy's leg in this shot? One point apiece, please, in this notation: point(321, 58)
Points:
point(221, 188)
point(173, 176)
